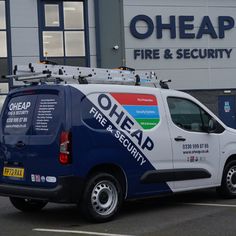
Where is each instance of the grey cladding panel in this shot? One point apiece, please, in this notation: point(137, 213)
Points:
point(109, 32)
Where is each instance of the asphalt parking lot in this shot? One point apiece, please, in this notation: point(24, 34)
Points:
point(195, 213)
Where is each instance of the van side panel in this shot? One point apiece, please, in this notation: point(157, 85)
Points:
point(97, 140)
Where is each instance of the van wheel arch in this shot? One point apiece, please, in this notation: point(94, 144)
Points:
point(229, 159)
point(114, 170)
point(227, 188)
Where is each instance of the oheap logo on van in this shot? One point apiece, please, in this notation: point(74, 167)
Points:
point(144, 111)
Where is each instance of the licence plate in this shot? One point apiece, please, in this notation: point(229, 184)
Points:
point(13, 172)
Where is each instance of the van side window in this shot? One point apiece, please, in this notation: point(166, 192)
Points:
point(188, 115)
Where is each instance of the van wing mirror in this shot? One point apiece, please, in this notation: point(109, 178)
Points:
point(212, 125)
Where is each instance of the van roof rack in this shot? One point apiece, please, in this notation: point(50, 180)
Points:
point(164, 84)
point(34, 73)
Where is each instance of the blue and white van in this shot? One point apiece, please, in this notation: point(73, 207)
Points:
point(99, 145)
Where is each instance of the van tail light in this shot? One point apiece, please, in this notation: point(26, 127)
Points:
point(65, 148)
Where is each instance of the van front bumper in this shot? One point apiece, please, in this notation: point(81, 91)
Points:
point(68, 190)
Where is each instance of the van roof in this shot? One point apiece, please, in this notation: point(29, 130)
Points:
point(89, 88)
point(125, 89)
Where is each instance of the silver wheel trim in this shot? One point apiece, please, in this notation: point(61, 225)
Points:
point(229, 179)
point(104, 198)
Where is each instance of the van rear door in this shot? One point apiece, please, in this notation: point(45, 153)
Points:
point(32, 122)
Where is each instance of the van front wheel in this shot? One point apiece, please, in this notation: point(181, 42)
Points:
point(102, 197)
point(228, 184)
point(27, 205)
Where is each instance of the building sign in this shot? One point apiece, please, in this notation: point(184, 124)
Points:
point(227, 107)
point(181, 28)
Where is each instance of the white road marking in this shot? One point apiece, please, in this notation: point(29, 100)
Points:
point(77, 232)
point(209, 204)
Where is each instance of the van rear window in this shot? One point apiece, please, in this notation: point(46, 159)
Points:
point(18, 114)
point(36, 114)
point(46, 115)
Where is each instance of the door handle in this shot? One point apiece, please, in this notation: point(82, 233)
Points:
point(179, 138)
point(20, 144)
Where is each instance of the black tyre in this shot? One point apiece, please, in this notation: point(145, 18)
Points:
point(102, 197)
point(228, 184)
point(27, 205)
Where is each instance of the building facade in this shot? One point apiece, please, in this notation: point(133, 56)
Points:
point(193, 43)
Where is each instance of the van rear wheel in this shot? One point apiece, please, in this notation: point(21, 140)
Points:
point(27, 205)
point(228, 184)
point(102, 197)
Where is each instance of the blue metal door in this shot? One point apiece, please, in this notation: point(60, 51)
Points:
point(227, 110)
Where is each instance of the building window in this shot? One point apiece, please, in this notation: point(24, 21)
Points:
point(3, 39)
point(63, 32)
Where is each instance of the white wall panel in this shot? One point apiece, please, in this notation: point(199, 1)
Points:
point(24, 60)
point(24, 13)
point(93, 61)
point(24, 31)
point(153, 42)
point(92, 33)
point(198, 12)
point(221, 78)
point(200, 78)
point(25, 42)
point(182, 63)
point(92, 41)
point(185, 73)
point(205, 41)
point(91, 15)
point(185, 78)
point(191, 3)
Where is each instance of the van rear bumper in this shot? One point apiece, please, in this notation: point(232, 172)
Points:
point(68, 190)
